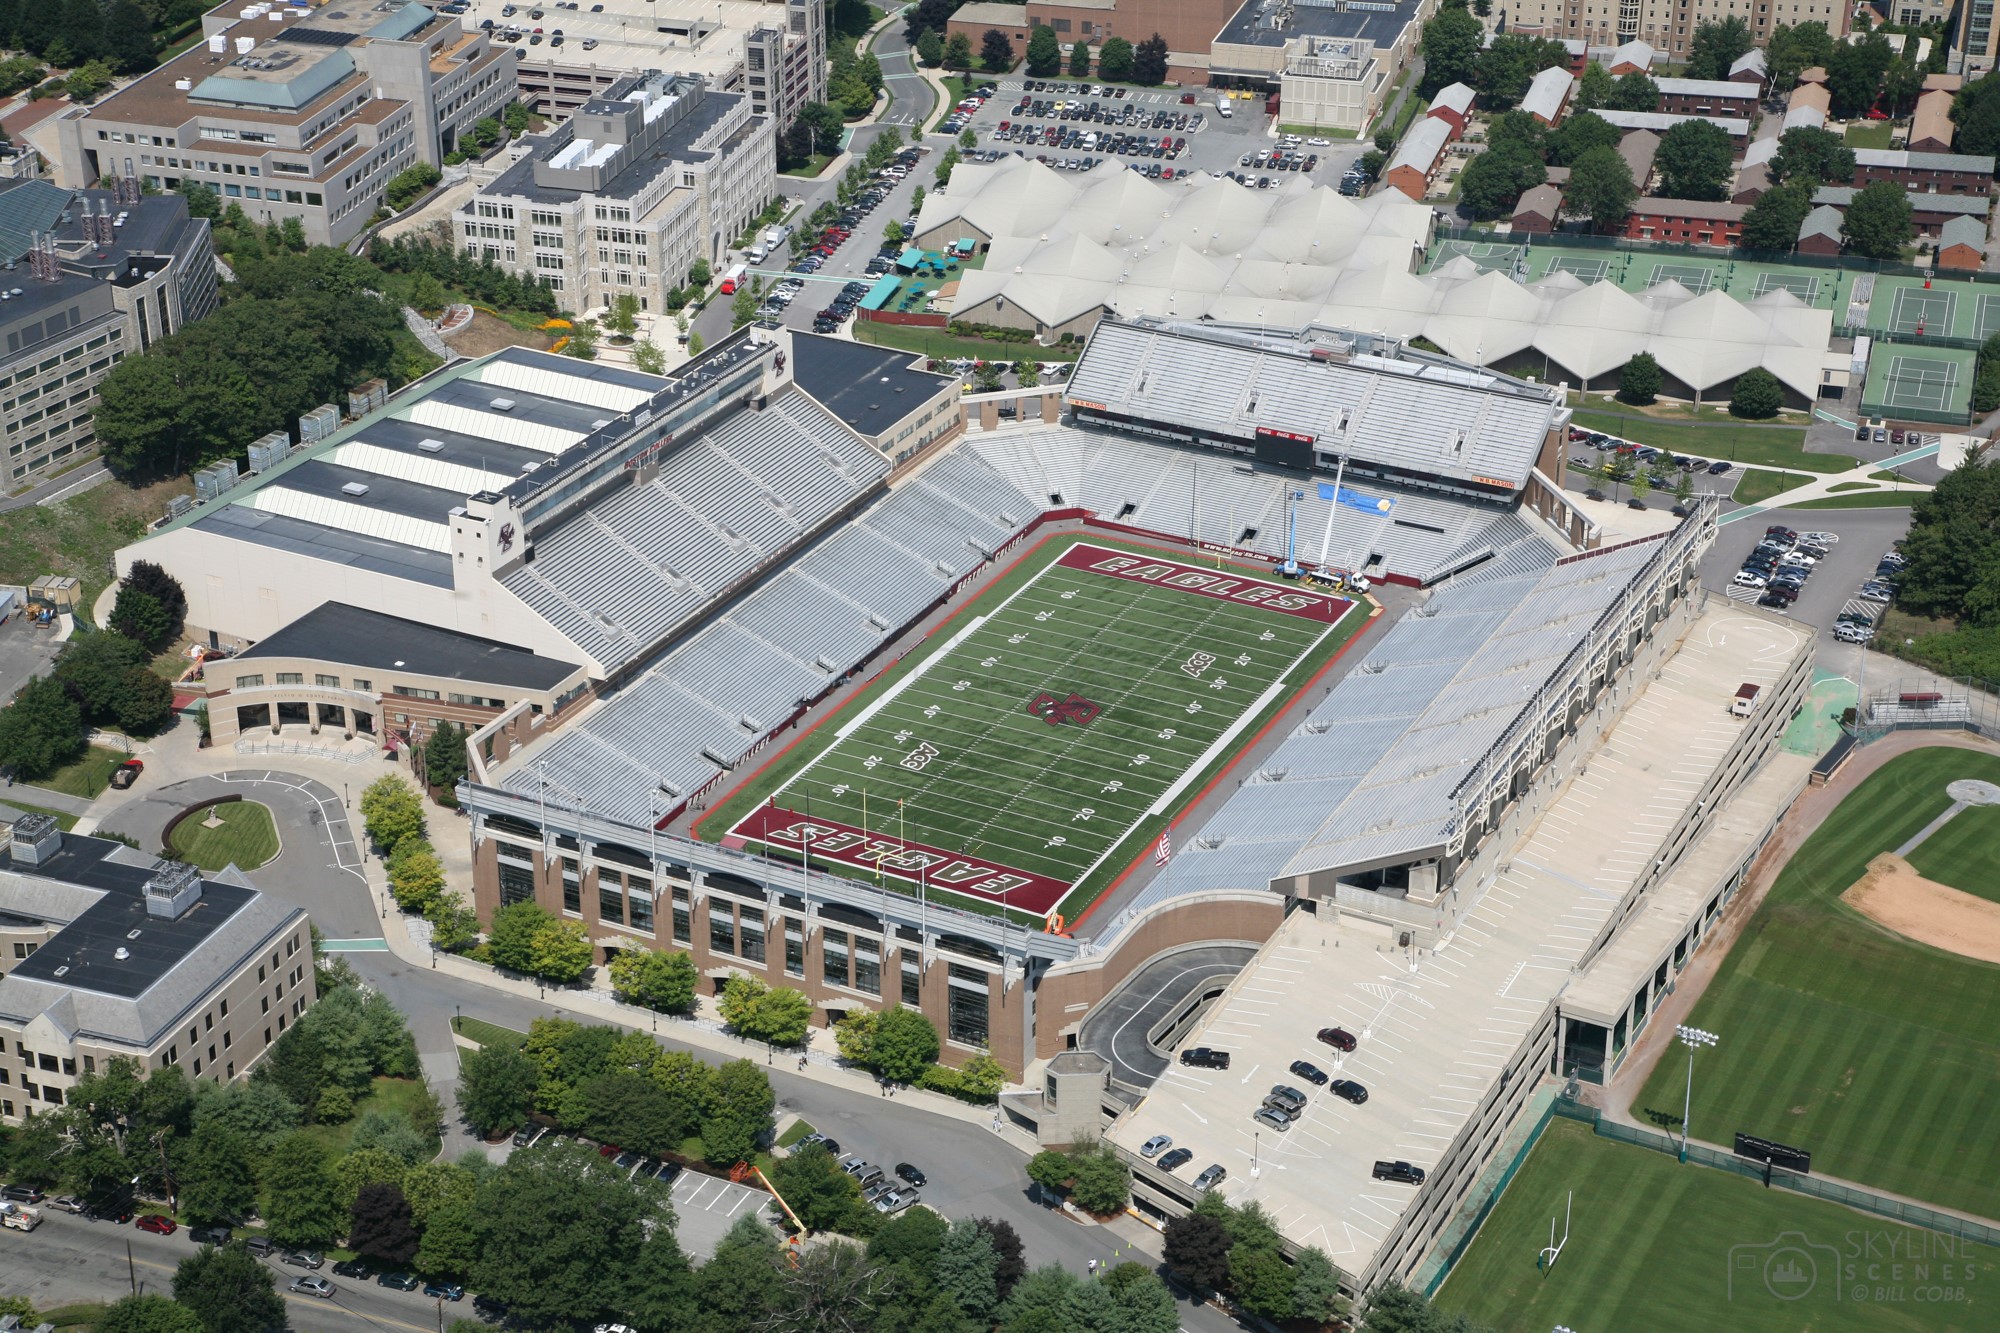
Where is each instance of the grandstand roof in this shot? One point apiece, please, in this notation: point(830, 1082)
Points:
point(1424, 417)
point(868, 388)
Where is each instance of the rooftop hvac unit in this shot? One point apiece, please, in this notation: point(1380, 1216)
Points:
point(244, 45)
point(319, 423)
point(183, 85)
point(179, 505)
point(357, 489)
point(502, 404)
point(206, 485)
point(437, 447)
point(219, 43)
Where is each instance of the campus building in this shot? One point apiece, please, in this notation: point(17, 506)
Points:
point(106, 952)
point(625, 196)
point(295, 112)
point(1666, 27)
point(91, 277)
point(771, 51)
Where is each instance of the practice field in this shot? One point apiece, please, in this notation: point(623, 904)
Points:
point(1879, 1055)
point(1668, 1248)
point(1017, 750)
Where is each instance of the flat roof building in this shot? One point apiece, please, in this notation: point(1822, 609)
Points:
point(296, 112)
point(117, 954)
point(1668, 28)
point(656, 172)
point(95, 276)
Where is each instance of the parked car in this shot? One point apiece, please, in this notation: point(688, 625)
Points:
point(1311, 1073)
point(1290, 1099)
point(1211, 1176)
point(312, 1259)
point(1205, 1057)
point(1400, 1172)
point(1176, 1159)
point(895, 1201)
point(1338, 1038)
point(1271, 1117)
point(350, 1268)
point(312, 1286)
point(115, 1210)
point(525, 1136)
point(1852, 633)
point(22, 1194)
point(1749, 578)
point(1156, 1145)
point(911, 1175)
point(157, 1224)
point(444, 1291)
point(399, 1280)
point(1348, 1090)
point(68, 1203)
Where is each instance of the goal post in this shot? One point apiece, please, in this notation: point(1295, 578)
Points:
point(1553, 1250)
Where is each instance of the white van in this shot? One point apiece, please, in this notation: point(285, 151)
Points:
point(773, 235)
point(1222, 107)
point(755, 254)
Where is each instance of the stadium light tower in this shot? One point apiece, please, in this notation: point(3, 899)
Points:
point(1291, 566)
point(1692, 1038)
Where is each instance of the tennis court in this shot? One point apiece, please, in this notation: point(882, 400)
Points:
point(1589, 270)
point(1932, 385)
point(1918, 311)
point(1697, 278)
point(1805, 286)
point(1489, 256)
point(1989, 317)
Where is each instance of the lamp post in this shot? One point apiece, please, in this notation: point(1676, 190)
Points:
point(1692, 1038)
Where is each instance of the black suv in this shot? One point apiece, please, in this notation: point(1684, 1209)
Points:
point(1348, 1090)
point(1400, 1172)
point(210, 1235)
point(1203, 1057)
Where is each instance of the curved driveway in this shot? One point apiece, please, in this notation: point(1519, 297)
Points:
point(1116, 1029)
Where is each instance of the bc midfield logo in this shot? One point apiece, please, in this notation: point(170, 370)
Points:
point(1055, 712)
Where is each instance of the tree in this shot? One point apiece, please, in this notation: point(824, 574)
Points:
point(631, 1110)
point(1114, 59)
point(824, 1197)
point(1878, 221)
point(1009, 1255)
point(1854, 75)
point(389, 1132)
point(229, 1291)
point(1451, 42)
point(1758, 394)
point(1197, 1252)
point(1716, 46)
point(380, 1225)
point(905, 1044)
point(1100, 1183)
point(409, 184)
point(1593, 88)
point(1517, 130)
point(428, 294)
point(560, 951)
point(1044, 52)
point(1149, 61)
point(216, 1180)
point(738, 1113)
point(742, 307)
point(930, 49)
point(1316, 1288)
point(660, 980)
point(783, 1017)
point(449, 1246)
point(1509, 63)
point(966, 1268)
point(164, 588)
point(1496, 178)
point(958, 51)
point(391, 811)
point(298, 1193)
point(41, 730)
point(739, 1000)
point(559, 1229)
point(416, 876)
point(1639, 382)
point(1079, 59)
point(1794, 48)
point(143, 1314)
point(1695, 161)
point(1976, 112)
point(647, 357)
point(696, 345)
point(1130, 1298)
point(996, 51)
point(140, 617)
point(1261, 1281)
point(582, 341)
point(1773, 221)
point(1635, 92)
point(1579, 133)
point(1813, 154)
point(88, 80)
point(1601, 188)
point(511, 937)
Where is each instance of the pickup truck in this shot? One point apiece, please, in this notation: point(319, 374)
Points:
point(21, 1219)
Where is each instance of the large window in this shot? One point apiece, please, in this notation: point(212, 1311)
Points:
point(572, 886)
point(683, 930)
point(833, 957)
point(913, 981)
point(721, 926)
point(867, 965)
point(795, 949)
point(639, 902)
point(610, 899)
point(966, 1016)
point(517, 881)
point(750, 927)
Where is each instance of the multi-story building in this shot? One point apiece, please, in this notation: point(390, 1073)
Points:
point(296, 112)
point(1665, 25)
point(1973, 40)
point(91, 276)
point(623, 197)
point(106, 952)
point(773, 50)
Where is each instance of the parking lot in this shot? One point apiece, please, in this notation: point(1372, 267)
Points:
point(1864, 535)
point(706, 1207)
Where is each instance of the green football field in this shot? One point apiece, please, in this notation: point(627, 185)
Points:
point(1075, 703)
point(1665, 1248)
point(1879, 1055)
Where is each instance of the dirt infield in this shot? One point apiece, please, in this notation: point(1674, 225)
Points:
point(1894, 895)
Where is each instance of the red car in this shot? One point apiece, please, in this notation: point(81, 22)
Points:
point(158, 1225)
point(1338, 1038)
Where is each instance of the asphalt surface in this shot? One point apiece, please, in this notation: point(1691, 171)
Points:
point(1116, 1029)
point(25, 650)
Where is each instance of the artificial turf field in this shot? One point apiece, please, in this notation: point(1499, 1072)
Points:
point(1071, 707)
point(1665, 1248)
point(1879, 1055)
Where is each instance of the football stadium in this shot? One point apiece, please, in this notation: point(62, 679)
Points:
point(1282, 648)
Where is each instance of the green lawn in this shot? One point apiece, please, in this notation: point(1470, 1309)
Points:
point(947, 345)
point(1879, 1055)
point(1665, 1248)
point(488, 1034)
point(960, 85)
point(78, 536)
point(1870, 134)
point(799, 1129)
point(64, 821)
point(85, 777)
point(1717, 436)
point(812, 168)
point(246, 838)
point(1961, 853)
point(389, 1094)
point(1870, 500)
point(1757, 486)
